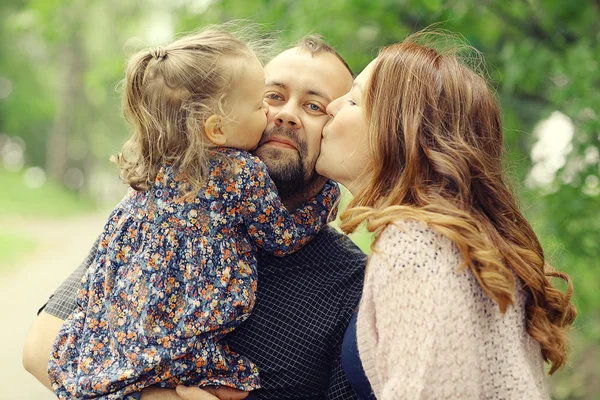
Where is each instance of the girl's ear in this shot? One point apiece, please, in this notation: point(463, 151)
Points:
point(213, 129)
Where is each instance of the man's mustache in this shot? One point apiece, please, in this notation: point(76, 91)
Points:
point(281, 131)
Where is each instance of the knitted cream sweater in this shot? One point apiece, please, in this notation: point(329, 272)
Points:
point(426, 329)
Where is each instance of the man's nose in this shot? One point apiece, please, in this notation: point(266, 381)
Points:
point(287, 117)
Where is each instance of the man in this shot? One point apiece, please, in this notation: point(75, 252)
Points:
point(305, 300)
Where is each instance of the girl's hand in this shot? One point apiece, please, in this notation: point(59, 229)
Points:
point(210, 393)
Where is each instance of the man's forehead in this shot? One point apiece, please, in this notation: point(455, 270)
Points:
point(320, 74)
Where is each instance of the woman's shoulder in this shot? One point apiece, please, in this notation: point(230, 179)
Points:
point(414, 245)
point(401, 235)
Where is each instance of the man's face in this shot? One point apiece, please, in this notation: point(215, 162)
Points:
point(299, 88)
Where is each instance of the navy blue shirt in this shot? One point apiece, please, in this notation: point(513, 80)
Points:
point(353, 365)
point(294, 334)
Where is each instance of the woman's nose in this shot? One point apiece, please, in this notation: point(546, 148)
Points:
point(334, 106)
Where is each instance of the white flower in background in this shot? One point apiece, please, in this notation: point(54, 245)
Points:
point(160, 28)
point(591, 155)
point(73, 178)
point(198, 6)
point(11, 154)
point(549, 153)
point(34, 177)
point(591, 186)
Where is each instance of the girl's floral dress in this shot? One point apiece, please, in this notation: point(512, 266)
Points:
point(172, 276)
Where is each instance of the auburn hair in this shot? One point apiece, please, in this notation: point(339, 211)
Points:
point(435, 137)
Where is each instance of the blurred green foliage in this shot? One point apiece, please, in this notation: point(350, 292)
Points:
point(50, 200)
point(64, 59)
point(19, 200)
point(12, 248)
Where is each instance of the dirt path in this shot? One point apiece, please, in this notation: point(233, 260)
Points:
point(62, 245)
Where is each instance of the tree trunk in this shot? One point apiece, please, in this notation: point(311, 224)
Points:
point(70, 98)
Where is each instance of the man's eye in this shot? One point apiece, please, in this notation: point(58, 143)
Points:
point(273, 96)
point(314, 107)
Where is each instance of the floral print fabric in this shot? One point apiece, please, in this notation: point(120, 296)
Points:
point(172, 275)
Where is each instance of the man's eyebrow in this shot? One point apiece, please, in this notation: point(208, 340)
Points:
point(309, 92)
point(274, 83)
point(319, 94)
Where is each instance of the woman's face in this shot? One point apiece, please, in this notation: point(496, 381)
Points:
point(344, 147)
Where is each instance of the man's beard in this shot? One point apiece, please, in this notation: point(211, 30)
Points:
point(287, 171)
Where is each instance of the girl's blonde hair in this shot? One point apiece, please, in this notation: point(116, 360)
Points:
point(435, 137)
point(169, 92)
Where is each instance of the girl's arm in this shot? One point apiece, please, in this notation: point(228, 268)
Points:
point(270, 225)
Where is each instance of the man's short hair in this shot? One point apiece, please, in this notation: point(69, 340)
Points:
point(315, 44)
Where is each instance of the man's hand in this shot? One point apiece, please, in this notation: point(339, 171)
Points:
point(193, 393)
point(155, 393)
point(220, 393)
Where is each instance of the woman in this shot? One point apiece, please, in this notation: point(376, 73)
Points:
point(458, 300)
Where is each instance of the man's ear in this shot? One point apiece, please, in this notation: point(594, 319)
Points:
point(213, 130)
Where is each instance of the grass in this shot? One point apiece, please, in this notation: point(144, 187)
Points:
point(50, 200)
point(17, 200)
point(12, 247)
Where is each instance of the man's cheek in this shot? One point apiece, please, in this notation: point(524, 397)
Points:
point(315, 140)
point(270, 118)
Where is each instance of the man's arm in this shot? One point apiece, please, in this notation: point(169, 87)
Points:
point(339, 386)
point(51, 316)
point(38, 344)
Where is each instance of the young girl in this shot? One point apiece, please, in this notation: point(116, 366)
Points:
point(176, 268)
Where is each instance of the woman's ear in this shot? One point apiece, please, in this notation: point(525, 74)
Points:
point(213, 129)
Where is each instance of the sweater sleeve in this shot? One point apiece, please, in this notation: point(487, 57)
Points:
point(403, 311)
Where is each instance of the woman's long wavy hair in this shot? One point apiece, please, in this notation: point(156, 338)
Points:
point(168, 94)
point(435, 138)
